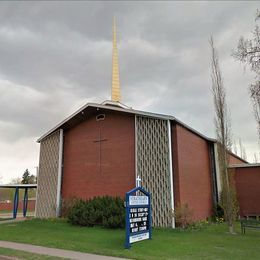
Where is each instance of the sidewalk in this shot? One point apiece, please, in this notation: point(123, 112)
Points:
point(54, 252)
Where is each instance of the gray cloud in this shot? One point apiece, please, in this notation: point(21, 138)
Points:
point(55, 56)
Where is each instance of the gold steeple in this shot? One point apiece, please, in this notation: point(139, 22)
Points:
point(116, 96)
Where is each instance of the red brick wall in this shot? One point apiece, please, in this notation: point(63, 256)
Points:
point(235, 160)
point(82, 175)
point(247, 182)
point(192, 175)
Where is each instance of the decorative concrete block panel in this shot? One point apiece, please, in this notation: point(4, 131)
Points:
point(153, 166)
point(48, 177)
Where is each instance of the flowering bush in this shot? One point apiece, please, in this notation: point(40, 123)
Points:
point(219, 220)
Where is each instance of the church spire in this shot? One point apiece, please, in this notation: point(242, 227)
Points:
point(116, 96)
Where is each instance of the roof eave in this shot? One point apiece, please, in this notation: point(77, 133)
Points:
point(124, 110)
point(246, 165)
point(112, 107)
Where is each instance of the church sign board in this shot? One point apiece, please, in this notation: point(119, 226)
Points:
point(138, 216)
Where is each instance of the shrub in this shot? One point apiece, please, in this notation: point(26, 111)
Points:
point(230, 212)
point(81, 213)
point(219, 212)
point(104, 211)
point(183, 215)
point(67, 205)
point(198, 225)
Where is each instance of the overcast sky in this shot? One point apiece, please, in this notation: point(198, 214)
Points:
point(56, 56)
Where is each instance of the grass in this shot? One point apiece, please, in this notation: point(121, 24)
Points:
point(4, 219)
point(24, 255)
point(210, 242)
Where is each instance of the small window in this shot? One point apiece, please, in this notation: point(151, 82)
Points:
point(100, 117)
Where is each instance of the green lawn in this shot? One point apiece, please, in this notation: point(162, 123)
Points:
point(25, 255)
point(4, 219)
point(211, 242)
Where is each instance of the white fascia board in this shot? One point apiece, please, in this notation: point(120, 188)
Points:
point(171, 169)
point(58, 201)
point(124, 109)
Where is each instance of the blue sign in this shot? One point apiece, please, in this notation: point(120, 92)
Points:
point(138, 216)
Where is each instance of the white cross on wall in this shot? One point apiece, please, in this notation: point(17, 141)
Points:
point(138, 181)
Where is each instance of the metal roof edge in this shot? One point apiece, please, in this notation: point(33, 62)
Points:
point(125, 110)
point(248, 165)
point(61, 123)
point(195, 131)
point(235, 155)
point(109, 107)
point(115, 103)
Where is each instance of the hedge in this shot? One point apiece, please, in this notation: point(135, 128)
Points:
point(108, 212)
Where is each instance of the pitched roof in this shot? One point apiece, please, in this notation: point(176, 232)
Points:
point(90, 108)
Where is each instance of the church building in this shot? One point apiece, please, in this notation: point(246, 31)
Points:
point(102, 148)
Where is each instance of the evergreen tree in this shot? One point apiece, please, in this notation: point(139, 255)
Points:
point(26, 177)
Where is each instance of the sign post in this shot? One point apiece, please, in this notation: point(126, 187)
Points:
point(138, 215)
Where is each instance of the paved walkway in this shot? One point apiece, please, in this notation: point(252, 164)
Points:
point(54, 252)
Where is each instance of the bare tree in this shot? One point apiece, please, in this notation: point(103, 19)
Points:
point(244, 154)
point(16, 180)
point(234, 147)
point(248, 52)
point(242, 150)
point(240, 147)
point(255, 158)
point(223, 132)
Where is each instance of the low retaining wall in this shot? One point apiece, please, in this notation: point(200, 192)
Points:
point(9, 206)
